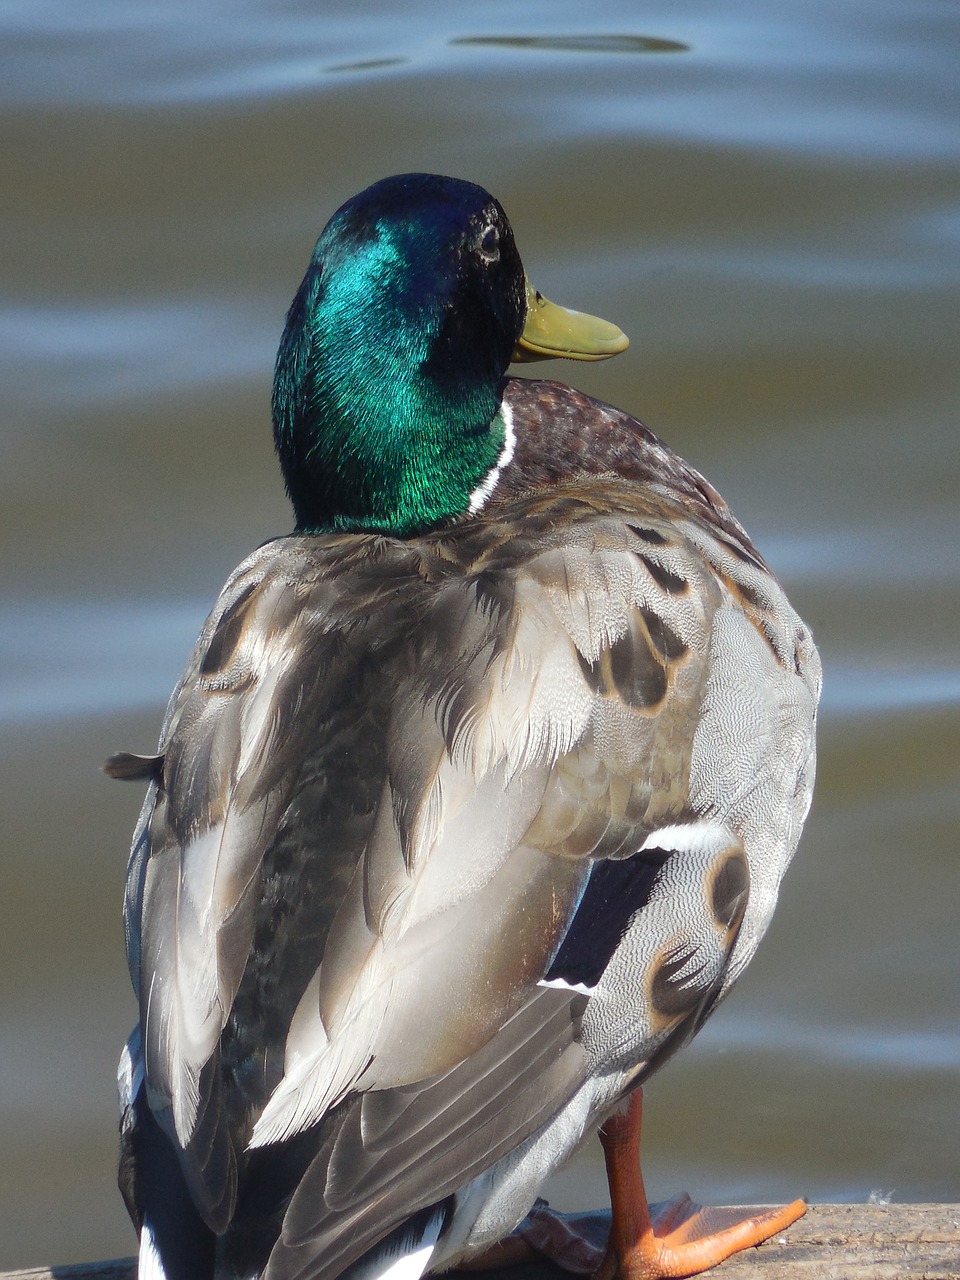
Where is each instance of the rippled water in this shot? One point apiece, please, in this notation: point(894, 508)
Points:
point(765, 196)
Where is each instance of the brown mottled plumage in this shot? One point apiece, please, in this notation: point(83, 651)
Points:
point(451, 840)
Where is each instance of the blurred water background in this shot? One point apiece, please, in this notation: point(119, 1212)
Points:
point(765, 196)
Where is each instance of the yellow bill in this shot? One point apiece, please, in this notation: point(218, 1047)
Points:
point(554, 333)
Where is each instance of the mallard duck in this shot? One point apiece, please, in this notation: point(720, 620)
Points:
point(472, 802)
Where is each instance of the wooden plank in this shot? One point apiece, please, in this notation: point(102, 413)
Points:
point(116, 1269)
point(859, 1242)
point(832, 1242)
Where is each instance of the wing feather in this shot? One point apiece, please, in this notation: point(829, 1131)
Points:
point(387, 774)
point(392, 1152)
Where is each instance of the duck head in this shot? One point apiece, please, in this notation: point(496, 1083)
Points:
point(386, 404)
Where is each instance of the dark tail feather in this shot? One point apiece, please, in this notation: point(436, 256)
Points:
point(158, 1194)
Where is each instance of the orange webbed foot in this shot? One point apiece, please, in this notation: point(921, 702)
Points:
point(676, 1239)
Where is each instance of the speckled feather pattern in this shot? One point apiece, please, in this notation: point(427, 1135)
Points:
point(384, 782)
point(563, 433)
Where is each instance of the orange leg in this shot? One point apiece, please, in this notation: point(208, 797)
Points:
point(681, 1239)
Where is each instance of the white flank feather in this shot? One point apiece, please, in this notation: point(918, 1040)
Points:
point(397, 1258)
point(149, 1266)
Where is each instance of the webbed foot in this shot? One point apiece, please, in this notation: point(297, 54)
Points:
point(676, 1239)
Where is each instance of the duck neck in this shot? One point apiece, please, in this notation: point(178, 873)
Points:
point(383, 421)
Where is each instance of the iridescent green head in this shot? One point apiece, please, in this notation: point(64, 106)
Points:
point(386, 394)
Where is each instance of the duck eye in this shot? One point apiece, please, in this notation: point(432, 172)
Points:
point(490, 245)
